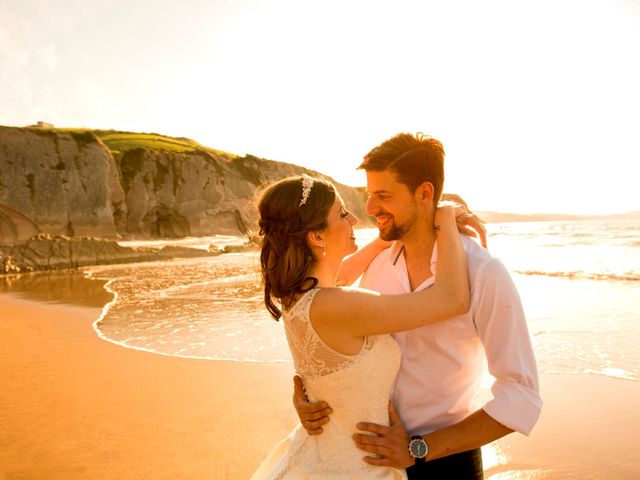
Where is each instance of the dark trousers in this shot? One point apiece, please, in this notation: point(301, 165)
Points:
point(461, 466)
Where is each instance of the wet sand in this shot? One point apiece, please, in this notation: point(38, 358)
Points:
point(73, 406)
point(588, 429)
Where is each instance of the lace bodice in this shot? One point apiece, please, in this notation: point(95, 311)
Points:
point(311, 356)
point(357, 387)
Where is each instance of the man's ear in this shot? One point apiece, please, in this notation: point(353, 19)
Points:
point(425, 192)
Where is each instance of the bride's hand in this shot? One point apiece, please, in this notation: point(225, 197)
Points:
point(447, 212)
point(467, 222)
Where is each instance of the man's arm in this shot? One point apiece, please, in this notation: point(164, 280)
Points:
point(390, 444)
point(502, 327)
point(476, 430)
point(516, 403)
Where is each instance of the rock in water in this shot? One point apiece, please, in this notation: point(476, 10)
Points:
point(47, 252)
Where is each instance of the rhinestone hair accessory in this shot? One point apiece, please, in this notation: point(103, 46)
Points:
point(307, 183)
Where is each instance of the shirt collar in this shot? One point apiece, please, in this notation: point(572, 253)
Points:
point(400, 267)
point(397, 250)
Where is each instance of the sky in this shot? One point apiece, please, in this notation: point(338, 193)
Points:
point(537, 103)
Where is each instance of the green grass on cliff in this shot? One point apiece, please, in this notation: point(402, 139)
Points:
point(120, 142)
point(124, 141)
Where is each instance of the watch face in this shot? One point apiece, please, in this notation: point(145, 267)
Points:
point(418, 448)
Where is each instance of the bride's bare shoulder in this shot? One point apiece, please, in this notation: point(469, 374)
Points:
point(344, 292)
point(331, 299)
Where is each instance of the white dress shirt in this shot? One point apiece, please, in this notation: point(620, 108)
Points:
point(443, 363)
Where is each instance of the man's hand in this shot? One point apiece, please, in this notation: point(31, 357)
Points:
point(390, 445)
point(312, 415)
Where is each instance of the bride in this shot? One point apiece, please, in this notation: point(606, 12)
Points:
point(339, 336)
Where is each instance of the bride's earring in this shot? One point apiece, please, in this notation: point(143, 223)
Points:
point(324, 248)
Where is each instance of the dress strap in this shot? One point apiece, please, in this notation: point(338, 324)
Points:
point(305, 300)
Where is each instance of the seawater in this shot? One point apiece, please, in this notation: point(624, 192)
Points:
point(580, 287)
point(579, 283)
point(209, 308)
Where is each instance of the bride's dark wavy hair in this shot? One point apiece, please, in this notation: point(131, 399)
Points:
point(285, 256)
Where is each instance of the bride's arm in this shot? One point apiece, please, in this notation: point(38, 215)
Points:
point(361, 313)
point(354, 265)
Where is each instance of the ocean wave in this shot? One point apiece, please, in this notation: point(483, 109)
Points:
point(601, 276)
point(605, 372)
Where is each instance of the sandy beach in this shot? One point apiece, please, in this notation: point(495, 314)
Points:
point(74, 406)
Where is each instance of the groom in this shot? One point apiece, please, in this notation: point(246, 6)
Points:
point(440, 425)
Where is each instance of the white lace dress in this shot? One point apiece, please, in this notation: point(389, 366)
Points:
point(356, 386)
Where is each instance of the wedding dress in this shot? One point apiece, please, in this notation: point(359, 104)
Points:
point(356, 387)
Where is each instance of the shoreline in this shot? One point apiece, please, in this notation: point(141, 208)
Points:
point(75, 406)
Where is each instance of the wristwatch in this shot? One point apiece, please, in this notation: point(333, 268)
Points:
point(418, 449)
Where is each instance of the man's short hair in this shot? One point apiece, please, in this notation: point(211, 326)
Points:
point(414, 159)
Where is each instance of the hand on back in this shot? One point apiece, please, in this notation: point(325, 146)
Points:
point(313, 415)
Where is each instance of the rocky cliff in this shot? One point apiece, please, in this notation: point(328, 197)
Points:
point(123, 185)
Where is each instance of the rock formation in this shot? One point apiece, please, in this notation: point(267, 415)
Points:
point(51, 252)
point(75, 183)
point(55, 182)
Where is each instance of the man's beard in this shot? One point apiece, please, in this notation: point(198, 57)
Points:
point(396, 232)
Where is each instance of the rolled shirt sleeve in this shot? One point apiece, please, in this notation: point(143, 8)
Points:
point(502, 327)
